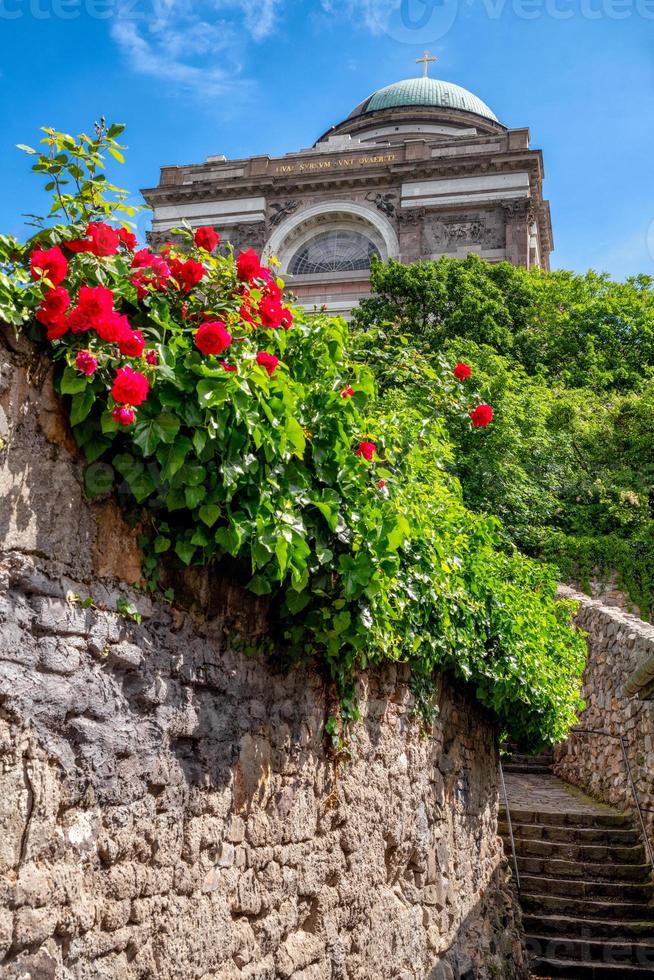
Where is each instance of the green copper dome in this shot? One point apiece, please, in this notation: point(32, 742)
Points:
point(424, 92)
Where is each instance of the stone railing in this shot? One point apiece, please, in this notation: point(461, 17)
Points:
point(618, 684)
point(170, 808)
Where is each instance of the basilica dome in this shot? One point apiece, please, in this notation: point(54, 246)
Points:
point(428, 92)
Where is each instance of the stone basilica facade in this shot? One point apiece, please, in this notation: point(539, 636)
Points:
point(420, 169)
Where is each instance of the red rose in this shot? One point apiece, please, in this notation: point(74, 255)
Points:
point(132, 344)
point(95, 303)
point(78, 321)
point(268, 361)
point(114, 329)
point(227, 367)
point(86, 362)
point(78, 245)
point(462, 371)
point(366, 450)
point(248, 266)
point(481, 416)
point(143, 258)
point(152, 270)
point(101, 240)
point(188, 274)
point(53, 306)
point(212, 337)
point(104, 239)
point(123, 415)
point(127, 238)
point(130, 387)
point(347, 392)
point(57, 329)
point(287, 318)
point(246, 312)
point(272, 290)
point(206, 238)
point(381, 484)
point(270, 311)
point(50, 264)
point(152, 358)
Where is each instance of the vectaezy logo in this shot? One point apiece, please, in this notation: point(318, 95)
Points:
point(412, 20)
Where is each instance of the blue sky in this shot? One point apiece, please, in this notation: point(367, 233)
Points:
point(268, 76)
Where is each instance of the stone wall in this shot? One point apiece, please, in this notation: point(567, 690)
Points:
point(618, 645)
point(169, 807)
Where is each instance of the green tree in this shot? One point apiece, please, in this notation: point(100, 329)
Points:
point(566, 362)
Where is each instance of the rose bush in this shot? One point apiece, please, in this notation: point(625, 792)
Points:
point(281, 456)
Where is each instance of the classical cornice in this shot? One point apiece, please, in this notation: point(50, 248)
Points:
point(389, 175)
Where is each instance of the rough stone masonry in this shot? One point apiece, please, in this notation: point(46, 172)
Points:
point(168, 806)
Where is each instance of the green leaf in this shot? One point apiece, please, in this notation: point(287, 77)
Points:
point(228, 538)
point(259, 585)
point(209, 513)
point(199, 538)
point(212, 392)
point(185, 550)
point(149, 433)
point(72, 381)
point(295, 436)
point(81, 405)
point(199, 440)
point(161, 544)
point(398, 533)
point(108, 424)
point(297, 601)
point(194, 496)
point(167, 426)
point(98, 479)
point(138, 479)
point(172, 457)
point(95, 448)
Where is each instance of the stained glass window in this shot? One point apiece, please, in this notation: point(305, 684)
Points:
point(333, 251)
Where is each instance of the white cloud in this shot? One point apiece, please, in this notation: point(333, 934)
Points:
point(195, 46)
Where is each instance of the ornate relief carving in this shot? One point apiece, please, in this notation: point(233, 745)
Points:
point(383, 202)
point(281, 210)
point(519, 209)
point(242, 236)
point(449, 233)
point(412, 216)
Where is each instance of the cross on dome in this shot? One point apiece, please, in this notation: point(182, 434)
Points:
point(424, 61)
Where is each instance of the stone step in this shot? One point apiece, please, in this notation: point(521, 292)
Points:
point(548, 818)
point(614, 929)
point(561, 868)
point(615, 891)
point(586, 908)
point(580, 853)
point(573, 970)
point(621, 836)
point(529, 767)
point(606, 952)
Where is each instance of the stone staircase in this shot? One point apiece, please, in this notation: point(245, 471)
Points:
point(586, 888)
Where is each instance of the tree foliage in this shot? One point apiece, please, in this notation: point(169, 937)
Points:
point(566, 362)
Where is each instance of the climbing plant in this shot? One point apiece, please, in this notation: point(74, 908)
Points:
point(237, 428)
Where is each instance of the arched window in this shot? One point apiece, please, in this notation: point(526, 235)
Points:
point(333, 251)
